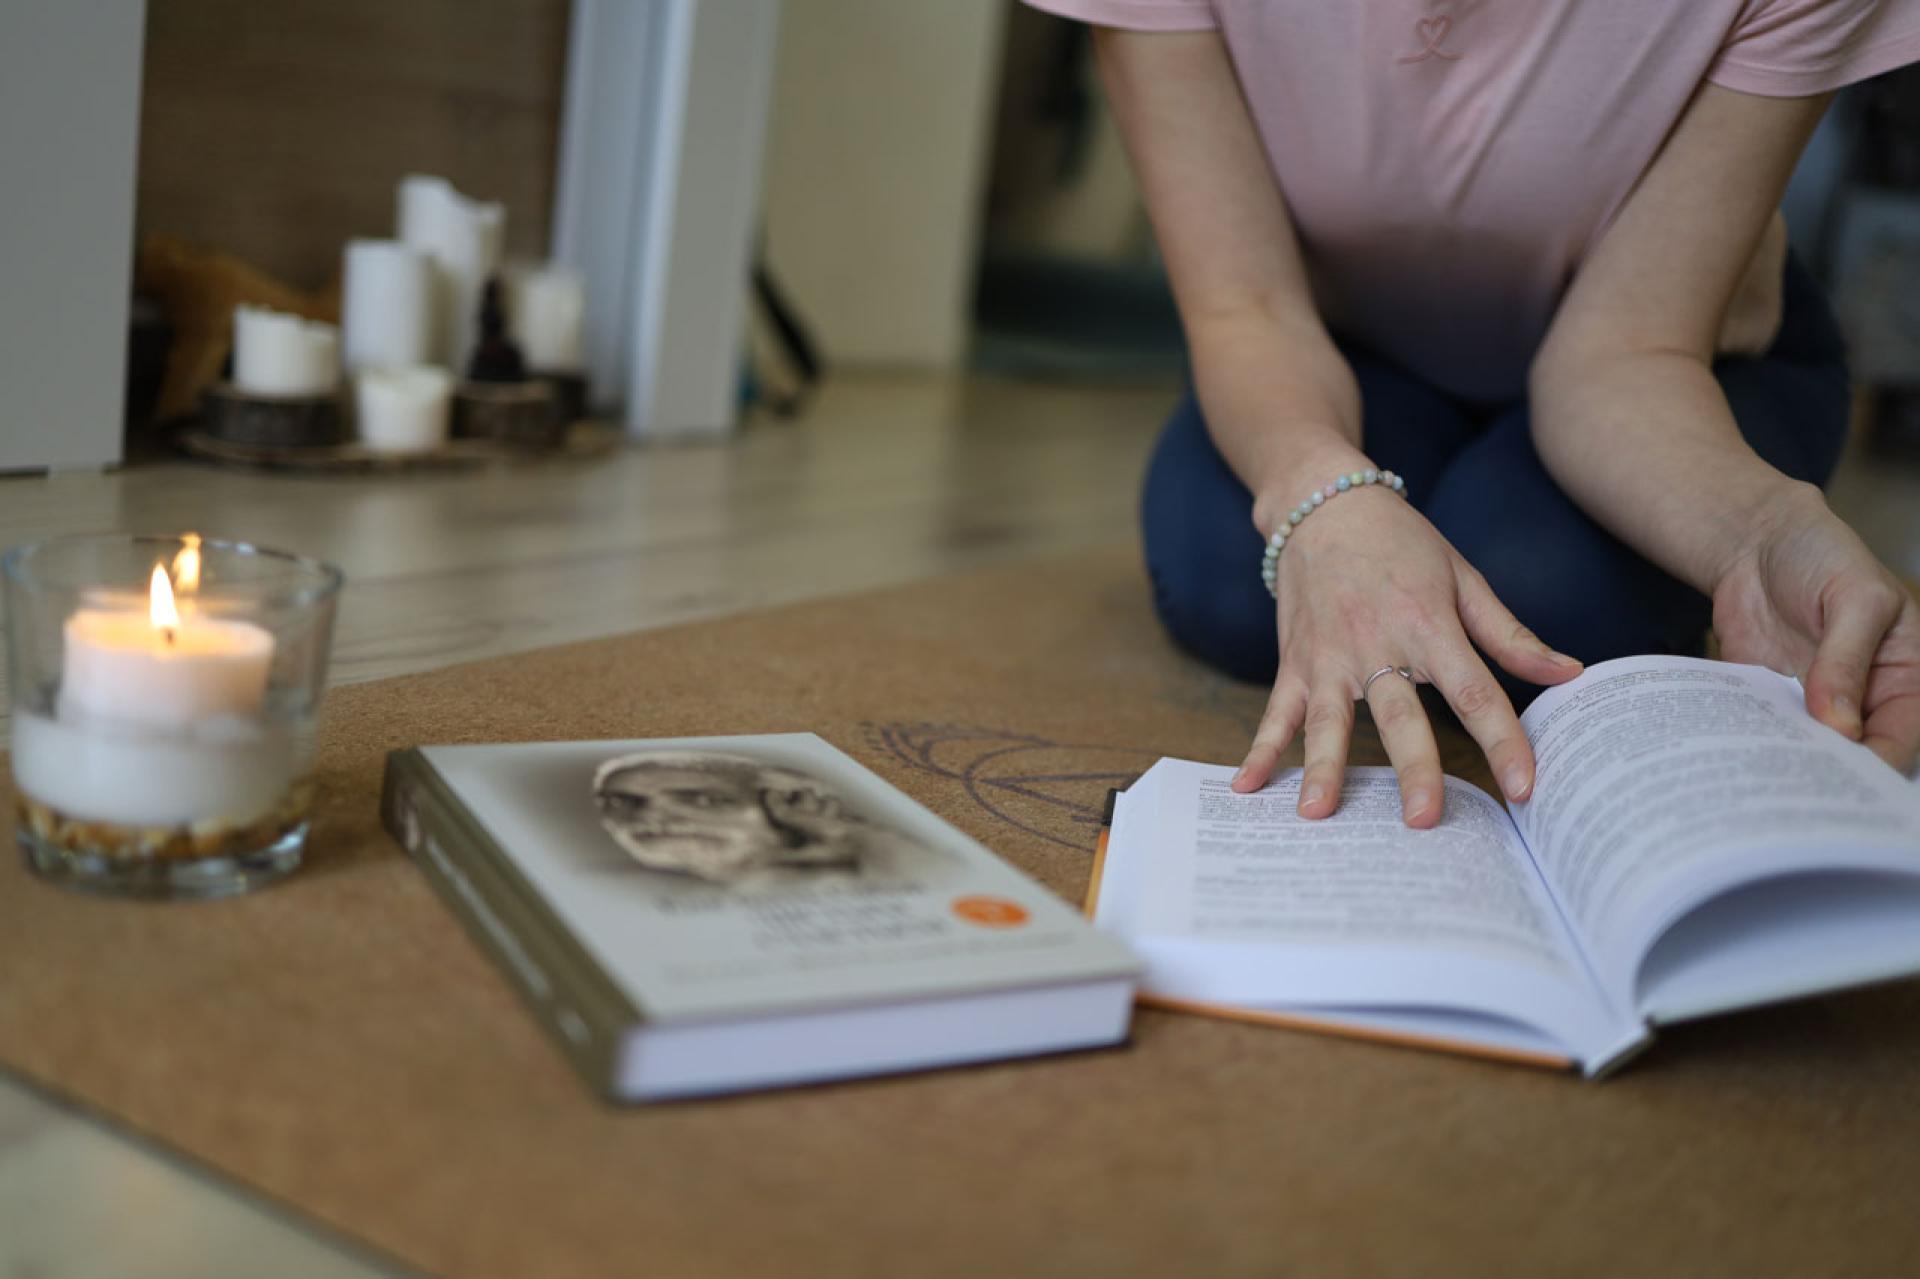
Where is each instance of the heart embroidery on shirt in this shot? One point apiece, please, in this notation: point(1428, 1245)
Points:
point(1431, 33)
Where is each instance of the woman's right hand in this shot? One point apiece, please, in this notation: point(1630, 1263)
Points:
point(1364, 583)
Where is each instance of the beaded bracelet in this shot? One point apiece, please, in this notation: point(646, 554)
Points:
point(1270, 562)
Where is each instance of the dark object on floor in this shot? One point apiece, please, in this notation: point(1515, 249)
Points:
point(280, 421)
point(496, 358)
point(785, 377)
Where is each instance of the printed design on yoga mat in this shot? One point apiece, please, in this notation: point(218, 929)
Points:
point(1052, 790)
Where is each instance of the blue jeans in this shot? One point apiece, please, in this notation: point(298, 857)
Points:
point(1472, 470)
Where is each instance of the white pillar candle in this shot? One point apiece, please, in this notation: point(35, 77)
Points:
point(403, 410)
point(386, 304)
point(157, 720)
point(275, 353)
point(545, 307)
point(463, 237)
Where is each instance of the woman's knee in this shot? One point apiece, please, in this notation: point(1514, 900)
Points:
point(1573, 584)
point(1219, 619)
point(1203, 555)
point(1586, 594)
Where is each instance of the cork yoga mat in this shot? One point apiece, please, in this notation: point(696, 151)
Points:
point(338, 1045)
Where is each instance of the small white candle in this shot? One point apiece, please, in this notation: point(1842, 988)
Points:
point(403, 410)
point(157, 720)
point(545, 307)
point(386, 304)
point(275, 353)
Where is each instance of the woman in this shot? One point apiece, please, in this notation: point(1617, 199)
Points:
point(1525, 257)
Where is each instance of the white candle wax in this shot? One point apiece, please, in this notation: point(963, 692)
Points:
point(226, 770)
point(279, 354)
point(464, 238)
point(123, 668)
point(403, 410)
point(386, 305)
point(545, 306)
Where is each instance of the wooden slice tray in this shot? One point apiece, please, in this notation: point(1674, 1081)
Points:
point(583, 440)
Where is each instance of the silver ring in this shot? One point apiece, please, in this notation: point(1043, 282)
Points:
point(1404, 672)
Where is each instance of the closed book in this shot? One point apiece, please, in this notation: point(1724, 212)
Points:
point(705, 915)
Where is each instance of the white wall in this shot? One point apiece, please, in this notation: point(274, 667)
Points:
point(69, 126)
point(882, 115)
point(657, 197)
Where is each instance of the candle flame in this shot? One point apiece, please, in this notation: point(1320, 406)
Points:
point(160, 600)
point(186, 565)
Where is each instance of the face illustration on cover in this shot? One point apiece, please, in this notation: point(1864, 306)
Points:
point(741, 822)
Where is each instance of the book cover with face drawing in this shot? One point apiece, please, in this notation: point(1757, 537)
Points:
point(749, 824)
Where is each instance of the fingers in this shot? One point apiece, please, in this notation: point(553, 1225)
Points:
point(1893, 692)
point(1483, 707)
point(1893, 730)
point(1501, 636)
point(1286, 706)
point(1408, 737)
point(1329, 726)
point(1837, 679)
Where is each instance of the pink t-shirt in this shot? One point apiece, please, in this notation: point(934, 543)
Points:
point(1449, 162)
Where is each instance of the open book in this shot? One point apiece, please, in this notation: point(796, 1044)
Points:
point(1695, 843)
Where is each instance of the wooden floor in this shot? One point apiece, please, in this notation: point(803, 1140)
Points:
point(883, 482)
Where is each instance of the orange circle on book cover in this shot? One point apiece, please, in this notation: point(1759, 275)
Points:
point(991, 912)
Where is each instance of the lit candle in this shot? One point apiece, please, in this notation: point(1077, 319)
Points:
point(403, 410)
point(157, 719)
point(275, 353)
point(162, 669)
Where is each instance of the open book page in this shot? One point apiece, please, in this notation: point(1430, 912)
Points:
point(1664, 781)
point(1236, 899)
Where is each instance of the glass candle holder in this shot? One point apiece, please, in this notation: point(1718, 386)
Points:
point(165, 692)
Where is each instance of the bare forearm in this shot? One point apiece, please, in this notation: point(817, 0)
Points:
point(1279, 399)
point(1626, 412)
point(1645, 443)
point(1280, 402)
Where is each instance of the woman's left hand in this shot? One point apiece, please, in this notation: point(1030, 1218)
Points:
point(1806, 596)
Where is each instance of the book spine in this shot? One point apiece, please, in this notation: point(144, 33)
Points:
point(1091, 902)
point(1606, 1064)
point(569, 994)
